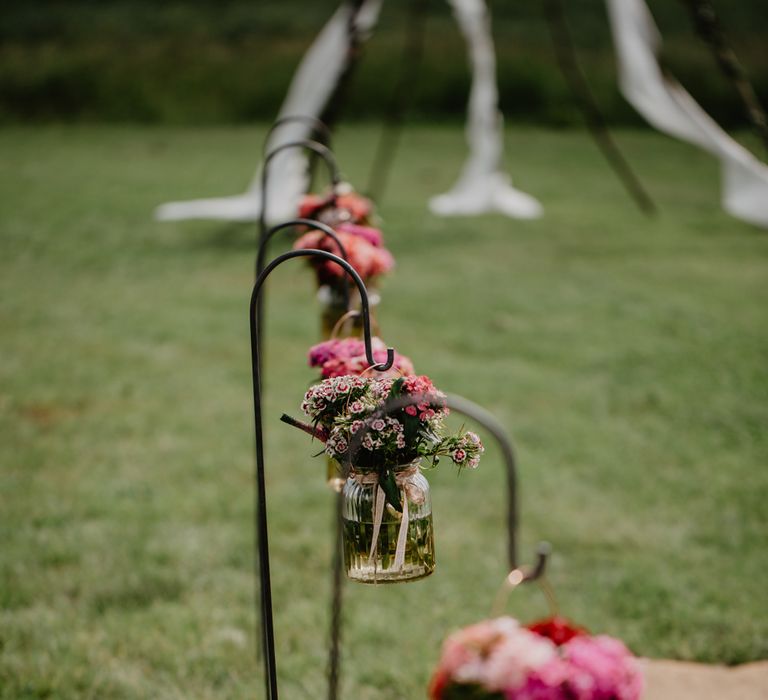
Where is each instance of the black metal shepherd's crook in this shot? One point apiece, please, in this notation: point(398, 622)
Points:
point(565, 54)
point(264, 235)
point(262, 535)
point(318, 149)
point(312, 225)
point(318, 131)
point(485, 419)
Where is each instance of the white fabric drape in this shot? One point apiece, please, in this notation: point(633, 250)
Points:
point(311, 88)
point(483, 186)
point(665, 104)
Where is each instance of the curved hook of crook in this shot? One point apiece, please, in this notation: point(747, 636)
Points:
point(537, 571)
point(527, 575)
point(364, 304)
point(313, 225)
point(522, 575)
point(318, 148)
point(319, 129)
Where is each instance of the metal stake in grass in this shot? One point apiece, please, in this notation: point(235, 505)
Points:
point(266, 631)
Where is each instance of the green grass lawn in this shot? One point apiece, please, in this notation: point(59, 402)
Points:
point(627, 356)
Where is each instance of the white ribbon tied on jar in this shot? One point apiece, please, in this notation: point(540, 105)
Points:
point(408, 491)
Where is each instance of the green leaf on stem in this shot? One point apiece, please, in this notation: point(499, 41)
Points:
point(389, 486)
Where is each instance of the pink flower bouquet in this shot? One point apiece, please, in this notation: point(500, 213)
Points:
point(370, 261)
point(337, 358)
point(349, 215)
point(339, 407)
point(501, 660)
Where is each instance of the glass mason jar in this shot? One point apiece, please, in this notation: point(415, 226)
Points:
point(332, 308)
point(394, 555)
point(333, 478)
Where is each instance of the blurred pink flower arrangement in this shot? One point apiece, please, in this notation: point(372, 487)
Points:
point(370, 261)
point(350, 215)
point(368, 233)
point(333, 209)
point(337, 358)
point(499, 659)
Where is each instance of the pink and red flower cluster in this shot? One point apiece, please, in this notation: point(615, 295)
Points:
point(465, 449)
point(343, 406)
point(349, 214)
point(333, 210)
point(368, 260)
point(336, 358)
point(374, 236)
point(548, 661)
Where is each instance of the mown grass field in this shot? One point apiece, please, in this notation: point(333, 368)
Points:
point(626, 355)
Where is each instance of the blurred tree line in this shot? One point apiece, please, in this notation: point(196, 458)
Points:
point(209, 61)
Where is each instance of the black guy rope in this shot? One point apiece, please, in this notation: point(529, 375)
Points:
point(567, 60)
point(710, 29)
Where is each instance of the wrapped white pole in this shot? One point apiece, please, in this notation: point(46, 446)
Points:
point(311, 88)
point(483, 186)
point(665, 104)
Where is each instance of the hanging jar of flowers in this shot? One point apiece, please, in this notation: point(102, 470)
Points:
point(388, 533)
point(351, 217)
point(338, 357)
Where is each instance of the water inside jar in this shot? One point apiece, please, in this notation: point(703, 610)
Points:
point(419, 551)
